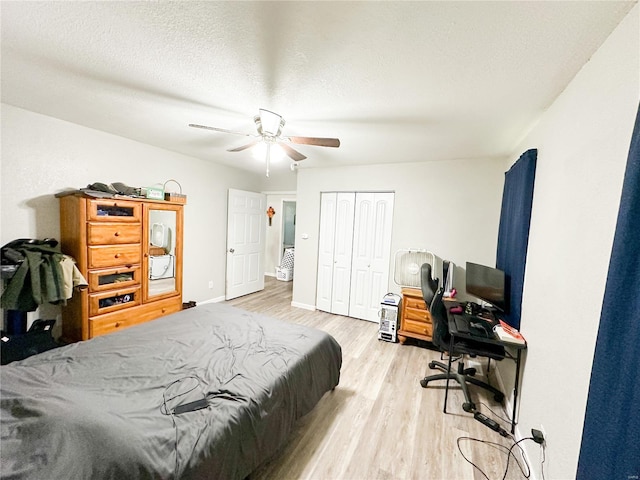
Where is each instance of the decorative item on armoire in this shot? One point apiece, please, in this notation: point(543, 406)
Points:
point(173, 196)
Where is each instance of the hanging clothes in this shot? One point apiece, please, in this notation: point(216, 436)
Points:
point(40, 278)
point(72, 278)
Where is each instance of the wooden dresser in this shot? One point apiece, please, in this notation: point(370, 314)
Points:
point(415, 320)
point(130, 252)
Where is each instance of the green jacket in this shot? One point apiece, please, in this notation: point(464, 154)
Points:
point(38, 280)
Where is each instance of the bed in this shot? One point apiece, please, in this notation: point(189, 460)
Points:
point(102, 408)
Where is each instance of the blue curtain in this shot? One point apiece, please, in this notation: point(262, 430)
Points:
point(513, 233)
point(611, 434)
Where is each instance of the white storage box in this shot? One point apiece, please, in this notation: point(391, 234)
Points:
point(161, 266)
point(284, 274)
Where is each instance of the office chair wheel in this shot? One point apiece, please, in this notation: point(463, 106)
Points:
point(423, 383)
point(432, 365)
point(468, 406)
point(498, 397)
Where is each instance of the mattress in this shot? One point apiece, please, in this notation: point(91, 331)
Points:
point(101, 408)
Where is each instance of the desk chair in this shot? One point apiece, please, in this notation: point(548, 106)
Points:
point(442, 339)
point(429, 285)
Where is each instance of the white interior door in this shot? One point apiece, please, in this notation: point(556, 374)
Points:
point(371, 254)
point(326, 242)
point(335, 247)
point(342, 251)
point(246, 228)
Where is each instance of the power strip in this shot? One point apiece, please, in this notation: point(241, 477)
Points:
point(492, 424)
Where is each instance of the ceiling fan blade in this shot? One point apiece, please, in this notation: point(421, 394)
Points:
point(293, 154)
point(244, 147)
point(223, 130)
point(320, 142)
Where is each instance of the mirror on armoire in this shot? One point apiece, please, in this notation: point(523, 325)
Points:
point(162, 250)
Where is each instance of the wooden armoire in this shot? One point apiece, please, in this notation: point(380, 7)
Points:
point(130, 252)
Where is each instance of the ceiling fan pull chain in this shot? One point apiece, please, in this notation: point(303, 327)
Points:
point(268, 156)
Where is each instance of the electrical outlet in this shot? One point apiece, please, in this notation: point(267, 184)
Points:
point(210, 283)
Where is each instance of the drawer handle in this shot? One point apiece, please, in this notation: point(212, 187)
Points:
point(117, 324)
point(117, 234)
point(117, 255)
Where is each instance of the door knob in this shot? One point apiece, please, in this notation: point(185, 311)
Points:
point(231, 250)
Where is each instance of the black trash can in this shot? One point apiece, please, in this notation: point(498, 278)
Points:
point(16, 322)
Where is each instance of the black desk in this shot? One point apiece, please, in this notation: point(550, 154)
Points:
point(453, 330)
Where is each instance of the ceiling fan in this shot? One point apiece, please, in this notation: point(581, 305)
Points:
point(269, 126)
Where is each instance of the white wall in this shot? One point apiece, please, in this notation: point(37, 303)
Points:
point(42, 155)
point(583, 141)
point(451, 208)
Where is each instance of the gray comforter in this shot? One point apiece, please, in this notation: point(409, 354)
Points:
point(99, 409)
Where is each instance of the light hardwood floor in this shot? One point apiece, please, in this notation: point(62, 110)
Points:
point(379, 423)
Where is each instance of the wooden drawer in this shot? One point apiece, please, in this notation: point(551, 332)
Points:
point(112, 300)
point(421, 328)
point(113, 233)
point(415, 302)
point(417, 315)
point(114, 255)
point(114, 211)
point(110, 278)
point(112, 322)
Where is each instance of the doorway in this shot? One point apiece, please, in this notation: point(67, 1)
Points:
point(288, 225)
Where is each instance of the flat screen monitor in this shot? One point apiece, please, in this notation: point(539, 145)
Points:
point(487, 284)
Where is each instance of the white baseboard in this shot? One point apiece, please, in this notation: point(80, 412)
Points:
point(269, 274)
point(303, 305)
point(212, 300)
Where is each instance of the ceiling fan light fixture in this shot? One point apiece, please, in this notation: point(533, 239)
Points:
point(268, 144)
point(259, 152)
point(270, 123)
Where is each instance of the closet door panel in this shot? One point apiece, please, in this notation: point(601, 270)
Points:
point(326, 244)
point(362, 253)
point(342, 253)
point(371, 254)
point(354, 252)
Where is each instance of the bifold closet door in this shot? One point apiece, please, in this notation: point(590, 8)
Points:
point(334, 252)
point(371, 254)
point(354, 252)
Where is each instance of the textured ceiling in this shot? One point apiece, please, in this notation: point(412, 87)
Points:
point(395, 81)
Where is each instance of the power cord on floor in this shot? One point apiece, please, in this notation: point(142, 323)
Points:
point(510, 453)
point(507, 450)
point(517, 444)
point(543, 452)
point(504, 419)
